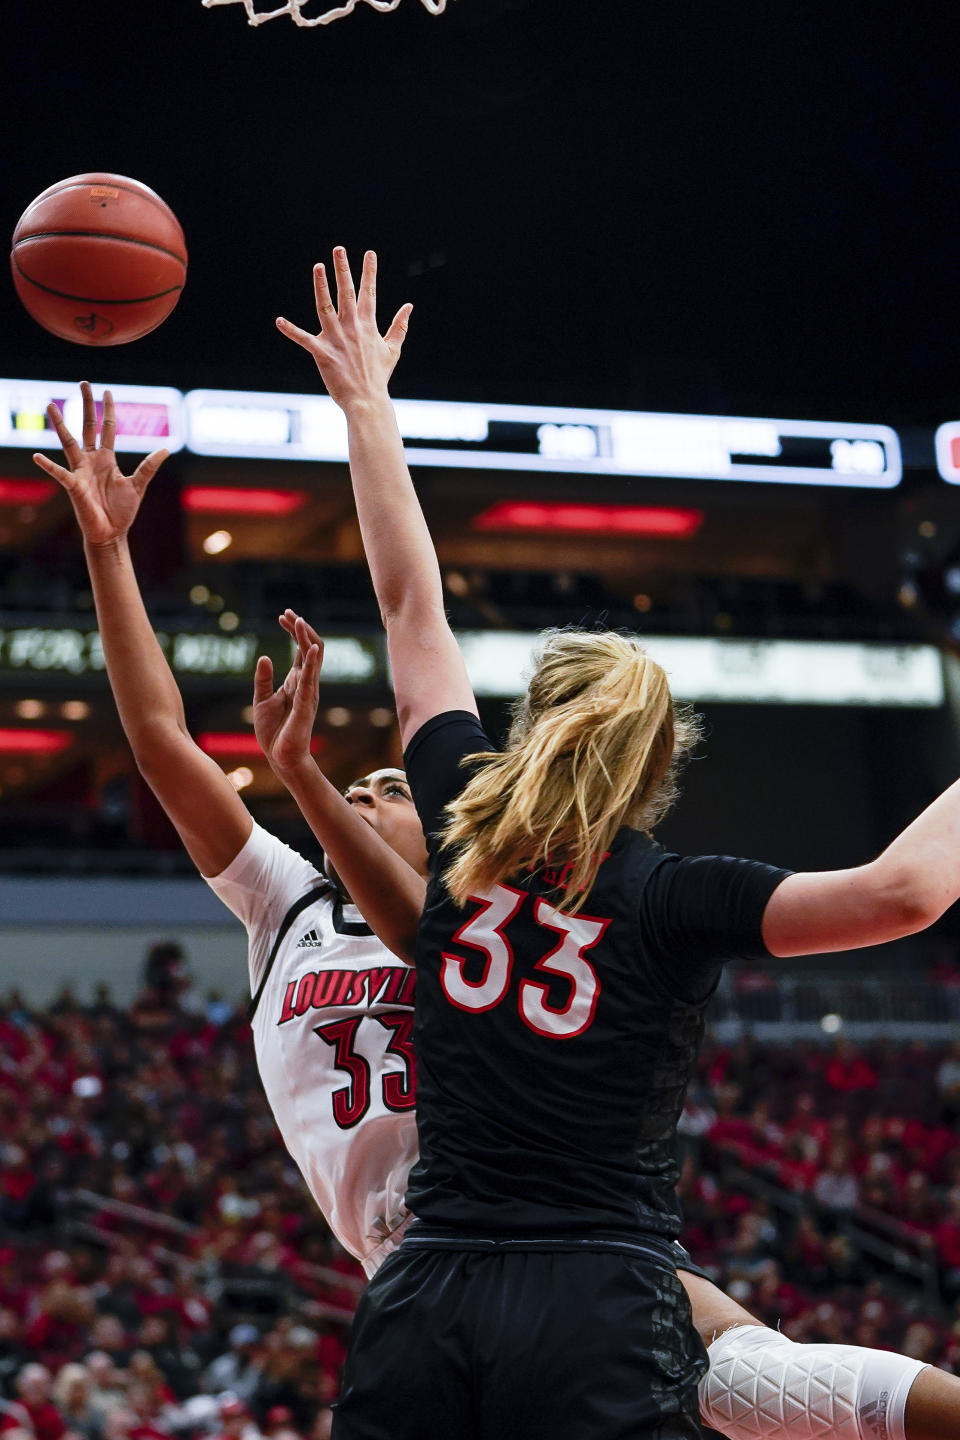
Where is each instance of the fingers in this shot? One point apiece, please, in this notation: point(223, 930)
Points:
point(326, 310)
point(89, 416)
point(298, 630)
point(346, 295)
point(263, 680)
point(397, 333)
point(307, 636)
point(56, 472)
point(146, 470)
point(308, 685)
point(69, 446)
point(303, 338)
point(367, 304)
point(108, 430)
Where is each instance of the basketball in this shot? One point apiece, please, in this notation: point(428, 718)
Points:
point(99, 259)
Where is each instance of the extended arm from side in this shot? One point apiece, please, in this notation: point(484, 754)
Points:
point(356, 363)
point(385, 889)
point(212, 820)
point(904, 890)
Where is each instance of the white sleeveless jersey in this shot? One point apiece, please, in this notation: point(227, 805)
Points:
point(332, 1022)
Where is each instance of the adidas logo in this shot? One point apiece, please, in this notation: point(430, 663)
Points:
point(875, 1415)
point(310, 941)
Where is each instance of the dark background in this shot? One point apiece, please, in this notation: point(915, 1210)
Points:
point(741, 208)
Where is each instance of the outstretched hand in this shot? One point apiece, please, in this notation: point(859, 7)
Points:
point(283, 720)
point(355, 361)
point(104, 500)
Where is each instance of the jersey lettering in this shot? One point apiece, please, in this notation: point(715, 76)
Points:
point(328, 989)
point(484, 932)
point(400, 1088)
point(559, 876)
point(578, 933)
point(351, 1102)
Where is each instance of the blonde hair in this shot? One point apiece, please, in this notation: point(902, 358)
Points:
point(67, 1376)
point(595, 744)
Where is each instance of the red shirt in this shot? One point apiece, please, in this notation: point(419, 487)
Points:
point(947, 1236)
point(47, 1422)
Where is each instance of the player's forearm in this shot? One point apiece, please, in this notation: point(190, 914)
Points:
point(384, 888)
point(922, 866)
point(400, 553)
point(143, 686)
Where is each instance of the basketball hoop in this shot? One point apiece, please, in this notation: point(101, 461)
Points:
point(295, 8)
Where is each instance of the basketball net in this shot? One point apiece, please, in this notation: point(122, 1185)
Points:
point(294, 8)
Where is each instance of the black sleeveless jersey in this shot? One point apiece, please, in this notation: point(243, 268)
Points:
point(554, 1050)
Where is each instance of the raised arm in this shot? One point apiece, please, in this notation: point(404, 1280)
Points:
point(904, 890)
point(385, 889)
point(212, 820)
point(356, 363)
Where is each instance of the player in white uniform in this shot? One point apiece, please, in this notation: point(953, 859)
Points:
point(332, 1015)
point(333, 1006)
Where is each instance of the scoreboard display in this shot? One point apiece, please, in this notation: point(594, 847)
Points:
point(455, 435)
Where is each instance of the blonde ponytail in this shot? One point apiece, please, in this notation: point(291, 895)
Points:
point(595, 744)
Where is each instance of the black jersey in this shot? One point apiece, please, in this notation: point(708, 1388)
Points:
point(554, 1050)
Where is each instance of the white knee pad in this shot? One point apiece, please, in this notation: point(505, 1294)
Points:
point(762, 1386)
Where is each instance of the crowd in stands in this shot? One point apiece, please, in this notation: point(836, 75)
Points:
point(164, 1272)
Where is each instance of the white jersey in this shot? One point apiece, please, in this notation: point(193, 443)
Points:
point(332, 1021)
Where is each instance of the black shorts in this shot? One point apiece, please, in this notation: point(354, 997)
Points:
point(562, 1345)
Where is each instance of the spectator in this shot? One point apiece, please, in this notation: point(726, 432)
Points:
point(33, 1385)
point(119, 1424)
point(947, 1239)
point(17, 1185)
point(848, 1072)
point(240, 1368)
point(279, 1419)
point(13, 1353)
point(109, 1335)
point(948, 1084)
point(236, 1422)
point(165, 971)
point(146, 1406)
point(176, 1362)
point(920, 1342)
point(102, 1007)
point(106, 1390)
point(835, 1188)
point(72, 1395)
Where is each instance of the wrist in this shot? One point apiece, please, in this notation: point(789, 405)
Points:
point(368, 405)
point(294, 772)
point(117, 547)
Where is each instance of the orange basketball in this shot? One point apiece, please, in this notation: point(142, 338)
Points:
point(99, 259)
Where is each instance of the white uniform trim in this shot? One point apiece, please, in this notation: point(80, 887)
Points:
point(762, 1386)
point(339, 1097)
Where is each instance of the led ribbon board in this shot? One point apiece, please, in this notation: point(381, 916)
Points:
point(536, 438)
point(149, 417)
point(947, 442)
point(786, 672)
point(791, 672)
point(64, 651)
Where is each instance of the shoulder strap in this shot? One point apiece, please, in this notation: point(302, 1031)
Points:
point(317, 893)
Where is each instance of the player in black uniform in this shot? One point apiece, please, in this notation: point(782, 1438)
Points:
point(564, 964)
